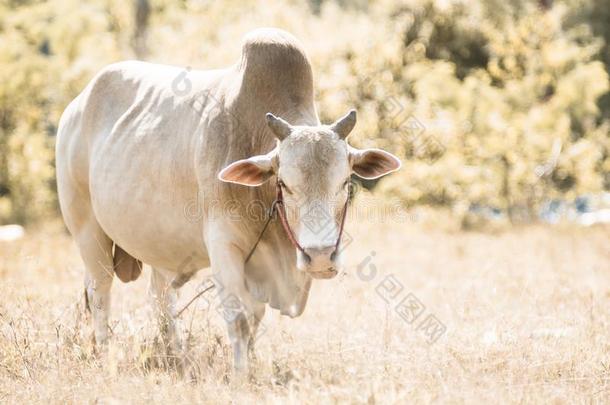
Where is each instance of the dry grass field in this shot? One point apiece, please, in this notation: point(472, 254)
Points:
point(526, 311)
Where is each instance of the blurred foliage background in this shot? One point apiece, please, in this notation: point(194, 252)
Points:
point(499, 103)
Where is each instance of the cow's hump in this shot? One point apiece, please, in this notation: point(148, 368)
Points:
point(276, 75)
point(271, 56)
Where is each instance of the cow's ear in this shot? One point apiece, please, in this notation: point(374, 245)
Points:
point(251, 172)
point(372, 163)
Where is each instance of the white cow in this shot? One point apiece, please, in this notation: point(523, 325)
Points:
point(142, 141)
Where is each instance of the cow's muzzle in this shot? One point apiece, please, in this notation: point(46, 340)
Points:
point(319, 262)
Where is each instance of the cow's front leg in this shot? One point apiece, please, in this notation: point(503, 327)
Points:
point(237, 305)
point(243, 322)
point(259, 313)
point(239, 335)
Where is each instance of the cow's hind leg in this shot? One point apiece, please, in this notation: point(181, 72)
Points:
point(96, 251)
point(72, 174)
point(164, 298)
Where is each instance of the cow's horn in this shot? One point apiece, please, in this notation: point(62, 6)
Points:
point(280, 128)
point(344, 125)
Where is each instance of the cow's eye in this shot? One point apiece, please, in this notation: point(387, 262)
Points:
point(345, 186)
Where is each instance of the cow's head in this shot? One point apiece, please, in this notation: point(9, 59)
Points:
point(313, 165)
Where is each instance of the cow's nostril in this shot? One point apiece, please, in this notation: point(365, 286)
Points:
point(307, 258)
